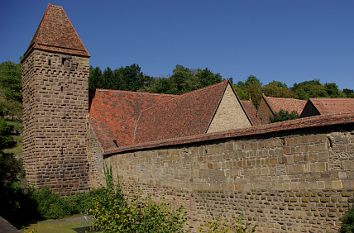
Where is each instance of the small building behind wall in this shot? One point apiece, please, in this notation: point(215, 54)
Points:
point(269, 106)
point(327, 106)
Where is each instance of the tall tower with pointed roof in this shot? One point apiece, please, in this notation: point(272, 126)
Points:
point(55, 71)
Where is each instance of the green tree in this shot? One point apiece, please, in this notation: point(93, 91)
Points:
point(349, 93)
point(348, 221)
point(250, 89)
point(10, 80)
point(309, 89)
point(95, 78)
point(10, 90)
point(206, 78)
point(333, 90)
point(277, 89)
point(180, 80)
point(10, 174)
point(284, 115)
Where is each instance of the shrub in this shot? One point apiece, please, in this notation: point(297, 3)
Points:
point(348, 222)
point(52, 206)
point(49, 205)
point(113, 213)
point(284, 115)
point(222, 226)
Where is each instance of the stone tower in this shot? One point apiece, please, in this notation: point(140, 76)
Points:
point(55, 71)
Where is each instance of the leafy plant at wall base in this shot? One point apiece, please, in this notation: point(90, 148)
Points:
point(223, 226)
point(113, 213)
point(284, 115)
point(107, 171)
point(348, 222)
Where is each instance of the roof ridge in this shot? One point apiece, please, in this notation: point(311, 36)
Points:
point(139, 92)
point(183, 95)
point(283, 98)
point(329, 98)
point(207, 87)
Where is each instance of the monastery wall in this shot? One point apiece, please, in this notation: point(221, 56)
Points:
point(281, 179)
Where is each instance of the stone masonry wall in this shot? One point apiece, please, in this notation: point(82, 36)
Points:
point(55, 102)
point(300, 181)
point(95, 160)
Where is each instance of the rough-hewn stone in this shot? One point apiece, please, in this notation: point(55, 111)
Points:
point(55, 105)
point(298, 182)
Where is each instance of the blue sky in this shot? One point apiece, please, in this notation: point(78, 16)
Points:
point(289, 41)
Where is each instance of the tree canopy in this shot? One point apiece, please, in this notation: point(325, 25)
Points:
point(10, 90)
point(132, 78)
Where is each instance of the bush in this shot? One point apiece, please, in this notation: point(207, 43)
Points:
point(222, 226)
point(114, 213)
point(348, 222)
point(52, 206)
point(284, 115)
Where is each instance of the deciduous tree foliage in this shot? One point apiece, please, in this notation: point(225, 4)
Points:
point(132, 78)
point(251, 89)
point(10, 90)
point(277, 89)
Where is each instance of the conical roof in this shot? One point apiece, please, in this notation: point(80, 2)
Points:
point(55, 33)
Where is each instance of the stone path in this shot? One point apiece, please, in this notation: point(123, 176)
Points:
point(6, 227)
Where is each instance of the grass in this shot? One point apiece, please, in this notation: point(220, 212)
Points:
point(72, 224)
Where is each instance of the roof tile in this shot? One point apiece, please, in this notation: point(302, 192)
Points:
point(251, 111)
point(119, 111)
point(289, 104)
point(55, 33)
point(333, 105)
point(185, 115)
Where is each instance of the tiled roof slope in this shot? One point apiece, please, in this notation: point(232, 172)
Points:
point(251, 111)
point(185, 115)
point(301, 123)
point(114, 114)
point(333, 105)
point(289, 104)
point(55, 33)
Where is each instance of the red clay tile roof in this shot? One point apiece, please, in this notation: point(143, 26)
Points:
point(251, 111)
point(114, 113)
point(55, 33)
point(301, 123)
point(185, 115)
point(333, 105)
point(289, 104)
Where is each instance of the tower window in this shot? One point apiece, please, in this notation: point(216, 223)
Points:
point(49, 62)
point(61, 88)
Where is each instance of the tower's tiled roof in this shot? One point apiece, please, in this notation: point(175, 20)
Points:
point(251, 111)
point(327, 106)
point(185, 115)
point(289, 104)
point(55, 33)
